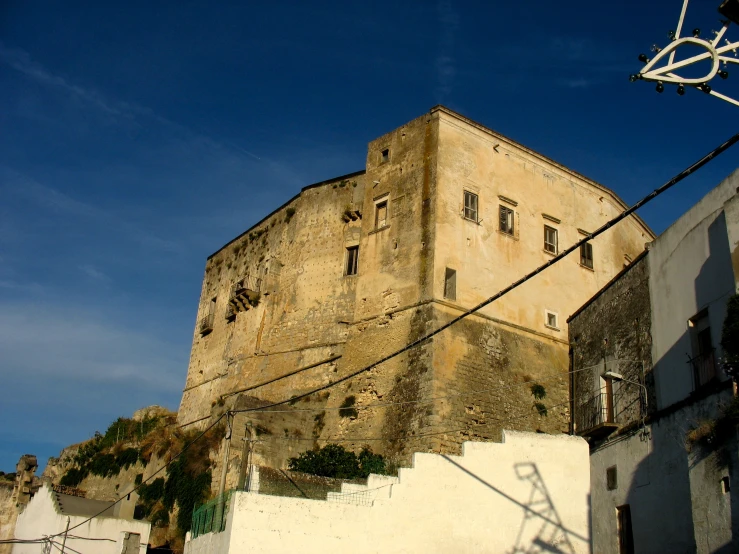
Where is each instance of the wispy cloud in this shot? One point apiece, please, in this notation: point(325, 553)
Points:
point(94, 273)
point(15, 183)
point(445, 62)
point(71, 344)
point(21, 61)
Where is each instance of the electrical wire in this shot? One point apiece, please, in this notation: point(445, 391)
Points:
point(602, 229)
point(521, 415)
point(427, 401)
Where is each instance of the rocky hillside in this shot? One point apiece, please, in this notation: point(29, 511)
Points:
point(129, 454)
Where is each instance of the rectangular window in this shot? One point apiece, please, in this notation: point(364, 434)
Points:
point(625, 534)
point(586, 255)
point(386, 155)
point(380, 214)
point(506, 220)
point(551, 319)
point(704, 366)
point(470, 206)
point(450, 284)
point(550, 239)
point(612, 478)
point(352, 260)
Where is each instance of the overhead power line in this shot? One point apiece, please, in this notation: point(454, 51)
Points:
point(602, 229)
point(669, 184)
point(426, 401)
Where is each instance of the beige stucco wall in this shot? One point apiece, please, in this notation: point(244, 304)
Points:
point(41, 517)
point(528, 494)
point(314, 312)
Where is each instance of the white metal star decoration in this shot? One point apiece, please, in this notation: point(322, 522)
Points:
point(663, 67)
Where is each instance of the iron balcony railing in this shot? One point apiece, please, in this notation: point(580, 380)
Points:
point(593, 412)
point(206, 324)
point(704, 369)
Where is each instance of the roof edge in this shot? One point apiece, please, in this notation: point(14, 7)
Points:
point(608, 285)
point(290, 201)
point(534, 153)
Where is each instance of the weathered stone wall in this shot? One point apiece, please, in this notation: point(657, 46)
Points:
point(613, 333)
point(311, 315)
point(8, 515)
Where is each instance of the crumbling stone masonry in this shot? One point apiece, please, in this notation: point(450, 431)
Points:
point(446, 213)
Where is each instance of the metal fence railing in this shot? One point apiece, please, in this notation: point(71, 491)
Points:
point(211, 516)
point(593, 412)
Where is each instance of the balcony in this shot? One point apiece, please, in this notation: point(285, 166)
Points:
point(206, 325)
point(594, 418)
point(244, 295)
point(704, 370)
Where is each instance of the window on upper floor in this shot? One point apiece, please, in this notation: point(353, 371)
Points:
point(551, 319)
point(550, 239)
point(586, 255)
point(506, 220)
point(450, 284)
point(352, 260)
point(470, 206)
point(385, 155)
point(702, 363)
point(381, 214)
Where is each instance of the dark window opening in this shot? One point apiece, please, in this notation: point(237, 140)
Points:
point(470, 206)
point(586, 255)
point(550, 239)
point(386, 155)
point(611, 478)
point(381, 214)
point(506, 220)
point(625, 533)
point(450, 284)
point(352, 260)
point(703, 362)
point(725, 484)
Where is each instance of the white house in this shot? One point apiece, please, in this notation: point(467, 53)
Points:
point(114, 531)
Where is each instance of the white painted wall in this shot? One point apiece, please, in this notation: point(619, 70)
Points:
point(676, 500)
point(533, 489)
point(691, 269)
point(42, 517)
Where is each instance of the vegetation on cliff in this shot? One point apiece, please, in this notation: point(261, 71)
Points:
point(169, 499)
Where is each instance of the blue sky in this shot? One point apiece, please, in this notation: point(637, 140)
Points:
point(138, 137)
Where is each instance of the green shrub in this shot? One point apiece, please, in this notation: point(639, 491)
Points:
point(371, 463)
point(152, 492)
point(104, 465)
point(127, 458)
point(332, 460)
point(73, 477)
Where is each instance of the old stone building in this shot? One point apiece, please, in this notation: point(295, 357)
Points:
point(650, 393)
point(446, 213)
